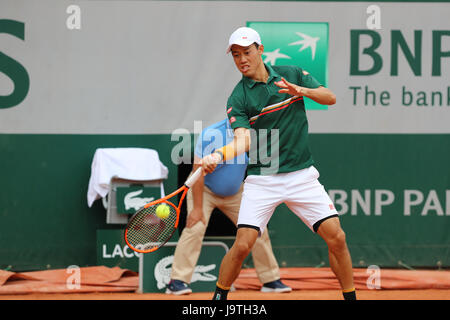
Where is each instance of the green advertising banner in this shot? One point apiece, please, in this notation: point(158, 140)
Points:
point(112, 250)
point(394, 204)
point(304, 44)
point(132, 198)
point(156, 268)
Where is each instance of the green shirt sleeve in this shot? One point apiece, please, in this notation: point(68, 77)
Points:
point(307, 80)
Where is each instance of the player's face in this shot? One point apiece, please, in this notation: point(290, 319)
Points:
point(247, 59)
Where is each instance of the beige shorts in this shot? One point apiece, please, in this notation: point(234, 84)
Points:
point(299, 190)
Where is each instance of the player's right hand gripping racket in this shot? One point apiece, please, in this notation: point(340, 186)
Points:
point(146, 232)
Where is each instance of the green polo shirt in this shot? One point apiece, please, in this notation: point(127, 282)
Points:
point(278, 123)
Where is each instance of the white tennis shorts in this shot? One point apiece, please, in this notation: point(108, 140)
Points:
point(299, 190)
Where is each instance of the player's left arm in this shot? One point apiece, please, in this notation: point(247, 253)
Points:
point(320, 95)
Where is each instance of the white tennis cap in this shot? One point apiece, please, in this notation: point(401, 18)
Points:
point(243, 37)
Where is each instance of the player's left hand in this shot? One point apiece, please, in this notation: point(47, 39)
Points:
point(290, 88)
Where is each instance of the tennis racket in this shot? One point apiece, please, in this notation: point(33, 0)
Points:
point(145, 231)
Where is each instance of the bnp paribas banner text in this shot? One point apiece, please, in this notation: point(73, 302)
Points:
point(109, 66)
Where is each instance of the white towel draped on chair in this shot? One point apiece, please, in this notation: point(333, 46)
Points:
point(124, 163)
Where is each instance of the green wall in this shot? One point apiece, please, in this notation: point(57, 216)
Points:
point(45, 219)
point(378, 162)
point(46, 223)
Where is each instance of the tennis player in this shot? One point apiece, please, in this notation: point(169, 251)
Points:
point(221, 189)
point(270, 99)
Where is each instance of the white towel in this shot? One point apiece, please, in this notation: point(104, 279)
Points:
point(124, 163)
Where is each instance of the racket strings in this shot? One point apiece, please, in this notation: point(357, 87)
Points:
point(147, 231)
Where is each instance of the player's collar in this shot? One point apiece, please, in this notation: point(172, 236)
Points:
point(272, 75)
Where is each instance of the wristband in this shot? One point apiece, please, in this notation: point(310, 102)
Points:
point(227, 152)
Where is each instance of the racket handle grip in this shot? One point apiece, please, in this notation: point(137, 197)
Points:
point(193, 178)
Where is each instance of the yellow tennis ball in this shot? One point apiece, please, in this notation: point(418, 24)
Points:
point(163, 211)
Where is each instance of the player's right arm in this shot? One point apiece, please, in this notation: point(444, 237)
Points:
point(240, 144)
